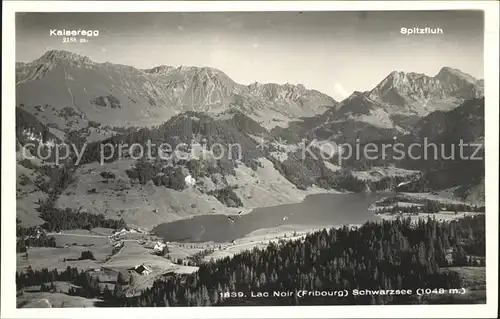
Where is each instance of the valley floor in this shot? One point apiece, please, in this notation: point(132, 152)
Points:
point(414, 199)
point(440, 216)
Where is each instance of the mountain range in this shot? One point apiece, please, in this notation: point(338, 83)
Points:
point(119, 95)
point(391, 108)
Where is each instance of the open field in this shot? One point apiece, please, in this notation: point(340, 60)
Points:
point(26, 206)
point(377, 173)
point(133, 254)
point(28, 195)
point(266, 187)
point(442, 197)
point(102, 231)
point(60, 287)
point(46, 257)
point(89, 240)
point(474, 279)
point(440, 216)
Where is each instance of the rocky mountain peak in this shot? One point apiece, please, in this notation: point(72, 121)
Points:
point(49, 60)
point(210, 79)
point(403, 89)
point(153, 94)
point(447, 73)
point(160, 70)
point(274, 91)
point(462, 84)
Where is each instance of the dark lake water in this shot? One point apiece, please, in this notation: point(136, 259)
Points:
point(321, 209)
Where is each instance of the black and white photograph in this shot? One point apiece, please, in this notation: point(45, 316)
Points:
point(250, 158)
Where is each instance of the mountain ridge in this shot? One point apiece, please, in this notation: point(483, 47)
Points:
point(120, 94)
point(401, 98)
point(55, 56)
point(400, 88)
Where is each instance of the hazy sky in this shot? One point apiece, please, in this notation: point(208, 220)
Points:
point(334, 52)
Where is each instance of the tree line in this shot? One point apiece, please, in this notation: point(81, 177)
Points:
point(389, 205)
point(57, 219)
point(83, 283)
point(38, 277)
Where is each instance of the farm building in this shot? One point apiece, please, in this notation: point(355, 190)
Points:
point(159, 246)
point(142, 270)
point(119, 244)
